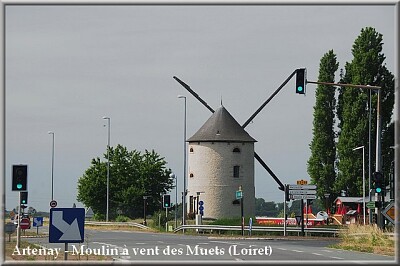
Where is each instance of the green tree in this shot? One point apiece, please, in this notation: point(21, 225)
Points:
point(321, 164)
point(264, 208)
point(132, 176)
point(367, 68)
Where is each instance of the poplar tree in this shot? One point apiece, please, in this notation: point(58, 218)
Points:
point(366, 68)
point(321, 164)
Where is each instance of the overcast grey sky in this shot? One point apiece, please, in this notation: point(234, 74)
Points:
point(68, 66)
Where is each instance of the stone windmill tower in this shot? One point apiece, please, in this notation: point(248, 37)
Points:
point(220, 160)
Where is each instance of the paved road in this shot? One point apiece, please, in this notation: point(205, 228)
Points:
point(143, 246)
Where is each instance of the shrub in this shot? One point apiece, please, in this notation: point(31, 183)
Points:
point(121, 218)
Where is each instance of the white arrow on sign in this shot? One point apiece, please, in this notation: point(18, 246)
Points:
point(70, 231)
point(37, 222)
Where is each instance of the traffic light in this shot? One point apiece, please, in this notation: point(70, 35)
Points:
point(24, 197)
point(19, 177)
point(287, 193)
point(166, 201)
point(301, 81)
point(378, 182)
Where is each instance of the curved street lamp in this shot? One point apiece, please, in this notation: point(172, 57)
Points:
point(108, 165)
point(172, 175)
point(52, 167)
point(184, 164)
point(363, 150)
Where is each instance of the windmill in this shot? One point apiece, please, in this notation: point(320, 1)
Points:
point(300, 74)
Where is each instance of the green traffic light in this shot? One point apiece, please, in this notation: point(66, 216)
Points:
point(19, 186)
point(299, 89)
point(378, 190)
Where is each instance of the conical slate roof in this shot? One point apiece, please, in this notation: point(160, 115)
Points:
point(221, 127)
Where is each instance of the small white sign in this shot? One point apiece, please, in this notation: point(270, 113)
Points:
point(302, 196)
point(302, 186)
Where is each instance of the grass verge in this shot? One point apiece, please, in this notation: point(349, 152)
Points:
point(367, 238)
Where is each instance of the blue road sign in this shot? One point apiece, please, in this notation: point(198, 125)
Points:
point(66, 225)
point(37, 221)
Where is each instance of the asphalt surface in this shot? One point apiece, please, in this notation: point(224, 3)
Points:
point(161, 247)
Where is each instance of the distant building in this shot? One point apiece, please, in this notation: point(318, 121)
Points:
point(220, 159)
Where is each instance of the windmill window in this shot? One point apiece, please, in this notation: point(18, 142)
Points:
point(191, 175)
point(236, 169)
point(191, 149)
point(236, 150)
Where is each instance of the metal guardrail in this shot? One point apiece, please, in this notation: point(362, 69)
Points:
point(118, 224)
point(333, 231)
point(217, 228)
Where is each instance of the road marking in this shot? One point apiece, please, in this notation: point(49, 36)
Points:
point(203, 243)
point(100, 243)
point(140, 243)
point(325, 250)
point(317, 254)
point(282, 248)
point(299, 251)
point(337, 258)
point(229, 243)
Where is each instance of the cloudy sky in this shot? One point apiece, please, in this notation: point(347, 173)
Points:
point(68, 66)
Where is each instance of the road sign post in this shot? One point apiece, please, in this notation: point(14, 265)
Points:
point(302, 191)
point(37, 222)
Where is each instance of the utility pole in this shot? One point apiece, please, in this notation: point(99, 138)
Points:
point(378, 167)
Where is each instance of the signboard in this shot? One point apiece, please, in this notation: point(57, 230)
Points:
point(201, 207)
point(302, 192)
point(25, 223)
point(53, 203)
point(370, 205)
point(37, 221)
point(239, 194)
point(89, 213)
point(66, 225)
point(9, 228)
point(301, 182)
point(302, 196)
point(388, 212)
point(302, 187)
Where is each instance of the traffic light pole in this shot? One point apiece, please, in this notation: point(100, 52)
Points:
point(378, 166)
point(19, 220)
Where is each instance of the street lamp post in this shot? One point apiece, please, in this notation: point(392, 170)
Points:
point(172, 175)
point(144, 209)
point(108, 164)
point(52, 167)
point(184, 164)
point(363, 150)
